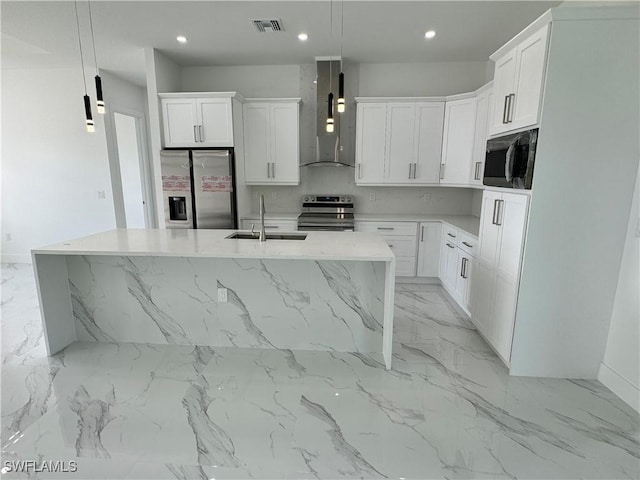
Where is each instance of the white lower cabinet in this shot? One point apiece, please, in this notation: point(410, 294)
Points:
point(401, 238)
point(456, 264)
point(270, 225)
point(429, 234)
point(494, 288)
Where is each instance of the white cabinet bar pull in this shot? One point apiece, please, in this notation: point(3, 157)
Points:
point(504, 110)
point(410, 169)
point(465, 262)
point(495, 209)
point(195, 133)
point(500, 212)
point(422, 234)
point(451, 235)
point(462, 268)
point(386, 228)
point(465, 243)
point(268, 170)
point(415, 167)
point(201, 133)
point(449, 245)
point(477, 175)
point(512, 99)
point(273, 170)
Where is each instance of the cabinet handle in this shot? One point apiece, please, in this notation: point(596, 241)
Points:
point(465, 262)
point(449, 245)
point(466, 244)
point(504, 110)
point(195, 133)
point(477, 175)
point(386, 228)
point(360, 170)
point(271, 226)
point(422, 234)
point(410, 170)
point(268, 170)
point(512, 99)
point(441, 171)
point(415, 168)
point(273, 170)
point(201, 133)
point(499, 212)
point(462, 268)
point(495, 209)
point(390, 245)
point(451, 235)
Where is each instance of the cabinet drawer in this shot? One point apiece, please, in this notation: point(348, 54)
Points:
point(279, 225)
point(467, 243)
point(388, 228)
point(405, 266)
point(401, 246)
point(450, 234)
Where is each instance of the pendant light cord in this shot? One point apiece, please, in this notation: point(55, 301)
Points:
point(93, 40)
point(341, 31)
point(331, 35)
point(80, 44)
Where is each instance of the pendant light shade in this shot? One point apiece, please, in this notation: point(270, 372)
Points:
point(87, 113)
point(99, 99)
point(341, 93)
point(330, 113)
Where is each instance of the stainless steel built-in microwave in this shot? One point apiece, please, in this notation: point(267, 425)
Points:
point(509, 160)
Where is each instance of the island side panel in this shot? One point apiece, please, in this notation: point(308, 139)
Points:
point(55, 301)
point(285, 304)
point(389, 301)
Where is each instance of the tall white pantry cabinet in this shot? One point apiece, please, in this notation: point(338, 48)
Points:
point(586, 164)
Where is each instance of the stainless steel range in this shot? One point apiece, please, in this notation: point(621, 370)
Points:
point(326, 212)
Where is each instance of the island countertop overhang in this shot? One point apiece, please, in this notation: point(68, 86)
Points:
point(320, 245)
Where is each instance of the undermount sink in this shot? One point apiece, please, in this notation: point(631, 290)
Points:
point(270, 236)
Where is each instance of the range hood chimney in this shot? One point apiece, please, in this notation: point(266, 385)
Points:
point(328, 146)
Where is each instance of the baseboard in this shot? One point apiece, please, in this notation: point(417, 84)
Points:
point(619, 385)
point(16, 258)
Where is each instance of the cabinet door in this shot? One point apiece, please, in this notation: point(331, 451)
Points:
point(512, 218)
point(457, 149)
point(216, 123)
point(180, 122)
point(451, 266)
point(429, 125)
point(489, 235)
point(400, 154)
point(285, 151)
point(481, 296)
point(429, 238)
point(503, 85)
point(503, 317)
point(480, 138)
point(460, 283)
point(371, 122)
point(530, 79)
point(257, 143)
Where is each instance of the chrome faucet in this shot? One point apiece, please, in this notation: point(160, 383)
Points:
point(263, 235)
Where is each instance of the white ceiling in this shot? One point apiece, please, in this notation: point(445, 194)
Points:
point(44, 34)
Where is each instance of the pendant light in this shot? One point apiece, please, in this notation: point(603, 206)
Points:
point(87, 102)
point(329, 127)
point(341, 104)
point(99, 98)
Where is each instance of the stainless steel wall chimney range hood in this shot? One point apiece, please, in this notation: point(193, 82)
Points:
point(328, 145)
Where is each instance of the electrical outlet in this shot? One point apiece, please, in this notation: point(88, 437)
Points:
point(7, 237)
point(274, 195)
point(372, 196)
point(101, 194)
point(426, 197)
point(222, 295)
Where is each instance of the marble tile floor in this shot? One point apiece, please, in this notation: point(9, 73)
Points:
point(448, 409)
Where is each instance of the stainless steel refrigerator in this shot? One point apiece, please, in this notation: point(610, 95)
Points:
point(198, 188)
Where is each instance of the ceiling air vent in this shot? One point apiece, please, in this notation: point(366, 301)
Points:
point(264, 26)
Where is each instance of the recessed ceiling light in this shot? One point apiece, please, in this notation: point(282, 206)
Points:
point(181, 39)
point(303, 36)
point(430, 34)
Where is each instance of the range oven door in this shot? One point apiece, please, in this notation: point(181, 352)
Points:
point(510, 159)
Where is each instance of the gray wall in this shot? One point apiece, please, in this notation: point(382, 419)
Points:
point(434, 79)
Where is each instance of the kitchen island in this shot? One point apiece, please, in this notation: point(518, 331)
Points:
point(330, 291)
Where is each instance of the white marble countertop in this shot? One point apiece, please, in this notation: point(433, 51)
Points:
point(360, 246)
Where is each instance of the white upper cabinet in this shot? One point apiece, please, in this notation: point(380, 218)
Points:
point(192, 122)
point(483, 100)
point(371, 124)
point(271, 142)
point(398, 142)
point(457, 142)
point(518, 83)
